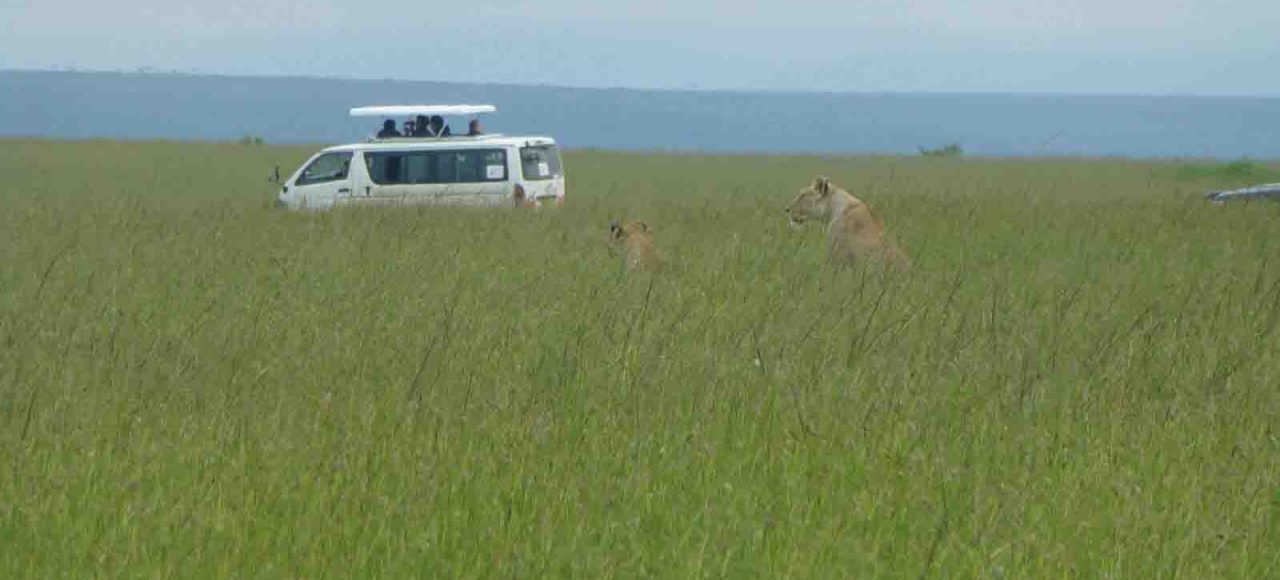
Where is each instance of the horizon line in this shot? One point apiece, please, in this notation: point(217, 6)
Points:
point(151, 71)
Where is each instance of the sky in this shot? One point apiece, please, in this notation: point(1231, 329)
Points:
point(1212, 47)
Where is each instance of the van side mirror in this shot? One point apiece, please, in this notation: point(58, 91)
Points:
point(275, 175)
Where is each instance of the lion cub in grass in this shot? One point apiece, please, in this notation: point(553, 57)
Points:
point(853, 232)
point(635, 240)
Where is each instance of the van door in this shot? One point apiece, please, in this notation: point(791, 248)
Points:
point(477, 176)
point(325, 181)
point(541, 173)
point(393, 178)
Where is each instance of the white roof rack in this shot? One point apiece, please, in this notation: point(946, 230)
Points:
point(411, 110)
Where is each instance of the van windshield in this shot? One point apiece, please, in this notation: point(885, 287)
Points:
point(540, 162)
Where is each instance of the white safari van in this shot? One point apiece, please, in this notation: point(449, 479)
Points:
point(425, 164)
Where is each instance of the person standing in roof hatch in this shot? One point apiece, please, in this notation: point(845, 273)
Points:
point(422, 128)
point(439, 128)
point(388, 130)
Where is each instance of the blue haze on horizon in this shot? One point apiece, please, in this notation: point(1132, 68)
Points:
point(314, 110)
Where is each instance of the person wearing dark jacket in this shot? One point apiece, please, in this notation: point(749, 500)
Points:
point(421, 127)
point(388, 130)
point(438, 128)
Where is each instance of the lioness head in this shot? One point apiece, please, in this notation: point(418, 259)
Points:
point(635, 239)
point(620, 232)
point(812, 203)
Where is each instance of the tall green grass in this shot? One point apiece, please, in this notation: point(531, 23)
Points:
point(1077, 379)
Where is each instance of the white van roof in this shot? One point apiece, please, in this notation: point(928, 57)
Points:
point(411, 110)
point(463, 142)
point(450, 142)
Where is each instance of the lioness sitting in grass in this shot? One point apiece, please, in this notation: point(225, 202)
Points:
point(635, 239)
point(853, 232)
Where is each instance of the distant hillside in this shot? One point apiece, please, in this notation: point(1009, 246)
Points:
point(188, 107)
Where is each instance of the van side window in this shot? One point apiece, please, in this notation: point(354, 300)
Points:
point(327, 167)
point(437, 167)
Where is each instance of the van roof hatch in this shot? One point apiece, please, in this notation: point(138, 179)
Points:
point(411, 110)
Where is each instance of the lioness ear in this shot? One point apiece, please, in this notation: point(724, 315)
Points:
point(643, 225)
point(614, 227)
point(822, 184)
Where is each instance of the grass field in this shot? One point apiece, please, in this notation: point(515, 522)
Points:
point(1078, 379)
